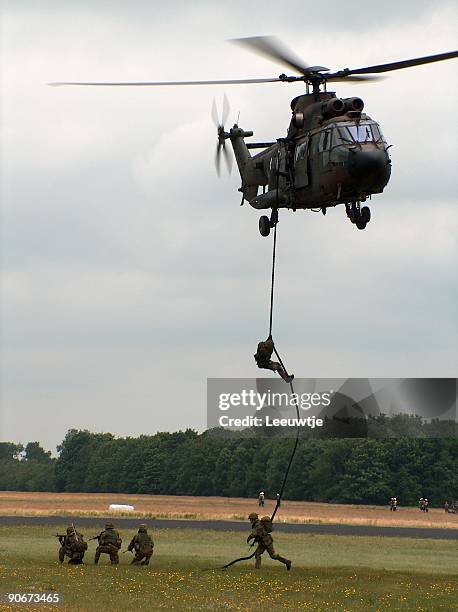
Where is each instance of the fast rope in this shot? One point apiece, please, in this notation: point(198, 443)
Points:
point(296, 441)
point(272, 286)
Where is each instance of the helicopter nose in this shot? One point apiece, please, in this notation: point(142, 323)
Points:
point(369, 165)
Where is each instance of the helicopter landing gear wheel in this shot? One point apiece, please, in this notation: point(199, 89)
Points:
point(264, 226)
point(366, 214)
point(358, 216)
point(352, 211)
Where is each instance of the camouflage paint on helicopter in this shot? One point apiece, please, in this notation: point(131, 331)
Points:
point(333, 154)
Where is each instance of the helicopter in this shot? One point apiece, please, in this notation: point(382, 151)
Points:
point(333, 153)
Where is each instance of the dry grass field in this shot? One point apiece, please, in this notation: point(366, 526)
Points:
point(216, 508)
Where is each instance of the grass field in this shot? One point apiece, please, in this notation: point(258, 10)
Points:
point(329, 573)
point(217, 508)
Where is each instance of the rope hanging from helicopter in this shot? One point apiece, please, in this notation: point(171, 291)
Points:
point(272, 291)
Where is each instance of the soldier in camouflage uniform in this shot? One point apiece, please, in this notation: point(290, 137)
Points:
point(109, 544)
point(263, 359)
point(143, 545)
point(73, 546)
point(264, 540)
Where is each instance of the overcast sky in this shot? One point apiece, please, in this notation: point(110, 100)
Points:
point(130, 273)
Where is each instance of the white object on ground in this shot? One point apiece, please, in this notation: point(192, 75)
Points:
point(124, 507)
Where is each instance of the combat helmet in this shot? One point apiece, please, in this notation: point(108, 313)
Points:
point(253, 516)
point(142, 528)
point(109, 526)
point(69, 530)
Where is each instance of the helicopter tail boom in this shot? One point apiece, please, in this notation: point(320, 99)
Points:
point(252, 174)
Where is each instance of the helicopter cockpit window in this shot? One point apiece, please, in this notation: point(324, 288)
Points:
point(378, 136)
point(356, 133)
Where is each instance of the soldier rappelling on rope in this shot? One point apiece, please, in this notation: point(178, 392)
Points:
point(263, 359)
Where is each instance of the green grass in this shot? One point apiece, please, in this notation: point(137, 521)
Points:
point(329, 573)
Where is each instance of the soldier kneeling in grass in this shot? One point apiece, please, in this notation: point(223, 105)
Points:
point(261, 530)
point(72, 545)
point(143, 545)
point(109, 544)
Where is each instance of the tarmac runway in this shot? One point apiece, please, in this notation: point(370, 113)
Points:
point(97, 523)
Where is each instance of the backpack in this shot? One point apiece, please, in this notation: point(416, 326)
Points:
point(266, 522)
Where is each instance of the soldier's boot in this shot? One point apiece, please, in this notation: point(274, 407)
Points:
point(114, 559)
point(288, 378)
point(257, 564)
point(96, 558)
point(61, 556)
point(287, 562)
point(277, 367)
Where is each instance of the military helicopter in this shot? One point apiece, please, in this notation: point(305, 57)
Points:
point(333, 153)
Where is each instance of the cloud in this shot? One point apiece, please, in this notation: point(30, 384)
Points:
point(129, 269)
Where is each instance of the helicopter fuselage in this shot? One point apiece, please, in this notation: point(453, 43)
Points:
point(333, 154)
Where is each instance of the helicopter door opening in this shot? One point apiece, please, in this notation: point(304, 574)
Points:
point(301, 174)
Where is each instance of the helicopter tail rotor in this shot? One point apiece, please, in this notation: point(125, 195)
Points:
point(222, 136)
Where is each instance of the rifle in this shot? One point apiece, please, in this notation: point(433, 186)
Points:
point(61, 538)
point(127, 550)
point(97, 537)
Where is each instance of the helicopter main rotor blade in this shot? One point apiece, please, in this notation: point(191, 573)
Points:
point(352, 79)
point(418, 61)
point(164, 83)
point(272, 48)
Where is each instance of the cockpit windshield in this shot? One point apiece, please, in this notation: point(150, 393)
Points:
point(363, 132)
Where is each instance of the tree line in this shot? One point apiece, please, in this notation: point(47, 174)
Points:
point(337, 470)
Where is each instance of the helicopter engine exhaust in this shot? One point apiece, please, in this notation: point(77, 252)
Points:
point(353, 104)
point(332, 108)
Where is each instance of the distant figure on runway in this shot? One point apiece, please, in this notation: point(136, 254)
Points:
point(261, 499)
